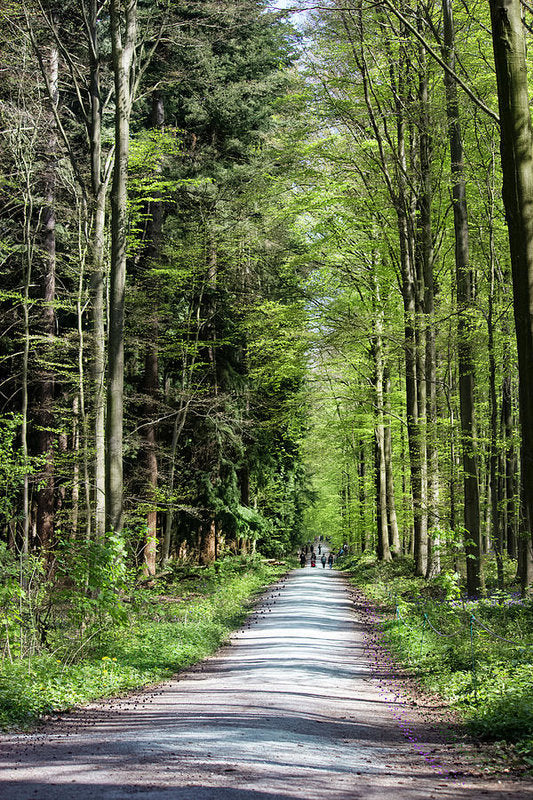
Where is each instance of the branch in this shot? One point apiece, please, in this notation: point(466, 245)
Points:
point(475, 99)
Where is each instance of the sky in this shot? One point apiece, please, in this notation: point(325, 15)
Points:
point(298, 16)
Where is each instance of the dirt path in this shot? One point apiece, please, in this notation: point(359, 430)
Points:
point(293, 708)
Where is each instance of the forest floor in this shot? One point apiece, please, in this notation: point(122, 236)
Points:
point(302, 703)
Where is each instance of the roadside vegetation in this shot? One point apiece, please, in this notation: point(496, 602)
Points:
point(66, 649)
point(476, 654)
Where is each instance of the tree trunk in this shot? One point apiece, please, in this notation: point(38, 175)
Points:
point(412, 405)
point(123, 49)
point(494, 483)
point(394, 534)
point(361, 476)
point(150, 389)
point(45, 411)
point(517, 166)
point(428, 358)
point(464, 307)
point(509, 466)
point(417, 458)
point(383, 548)
point(151, 377)
point(99, 185)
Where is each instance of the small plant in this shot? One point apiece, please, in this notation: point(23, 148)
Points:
point(141, 641)
point(475, 654)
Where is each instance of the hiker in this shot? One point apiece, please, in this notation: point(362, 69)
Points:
point(313, 560)
point(319, 549)
point(330, 560)
point(323, 560)
point(303, 559)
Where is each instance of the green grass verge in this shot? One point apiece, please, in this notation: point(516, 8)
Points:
point(456, 648)
point(165, 632)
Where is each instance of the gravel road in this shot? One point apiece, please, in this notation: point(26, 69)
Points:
point(294, 707)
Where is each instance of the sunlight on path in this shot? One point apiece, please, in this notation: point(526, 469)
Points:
point(288, 710)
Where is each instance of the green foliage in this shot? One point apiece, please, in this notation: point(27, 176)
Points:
point(489, 677)
point(169, 628)
point(92, 579)
point(13, 468)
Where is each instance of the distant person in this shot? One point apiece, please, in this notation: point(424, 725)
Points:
point(306, 549)
point(303, 559)
point(323, 560)
point(313, 560)
point(330, 560)
point(319, 549)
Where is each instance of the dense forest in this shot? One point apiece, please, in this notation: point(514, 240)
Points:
point(266, 275)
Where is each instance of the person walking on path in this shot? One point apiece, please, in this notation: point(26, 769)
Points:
point(330, 560)
point(303, 559)
point(323, 560)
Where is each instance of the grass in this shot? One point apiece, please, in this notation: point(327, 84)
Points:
point(474, 654)
point(165, 629)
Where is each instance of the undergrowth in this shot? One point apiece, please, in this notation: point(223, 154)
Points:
point(474, 654)
point(160, 630)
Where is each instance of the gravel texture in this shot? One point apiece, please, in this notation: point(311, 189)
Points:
point(300, 704)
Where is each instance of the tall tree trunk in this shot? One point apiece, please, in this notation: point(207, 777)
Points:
point(383, 548)
point(517, 166)
point(45, 410)
point(151, 378)
point(426, 294)
point(98, 358)
point(27, 272)
point(509, 467)
point(494, 482)
point(150, 444)
point(414, 368)
point(464, 283)
point(361, 477)
point(394, 533)
point(99, 186)
point(411, 387)
point(123, 38)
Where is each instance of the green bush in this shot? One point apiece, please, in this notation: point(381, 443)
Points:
point(162, 633)
point(472, 653)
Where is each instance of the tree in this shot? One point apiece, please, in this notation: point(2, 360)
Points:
point(465, 296)
point(517, 167)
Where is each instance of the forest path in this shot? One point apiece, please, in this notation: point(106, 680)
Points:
point(291, 709)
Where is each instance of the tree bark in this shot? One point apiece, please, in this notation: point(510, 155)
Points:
point(123, 38)
point(99, 186)
point(426, 295)
point(383, 548)
point(47, 323)
point(414, 368)
point(394, 533)
point(517, 165)
point(463, 274)
point(151, 367)
point(509, 463)
point(494, 482)
point(361, 477)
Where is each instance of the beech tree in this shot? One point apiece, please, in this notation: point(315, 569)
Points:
point(517, 167)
